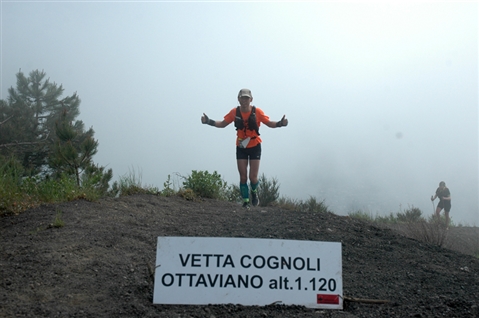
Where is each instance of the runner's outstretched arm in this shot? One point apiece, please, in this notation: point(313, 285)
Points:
point(214, 123)
point(275, 124)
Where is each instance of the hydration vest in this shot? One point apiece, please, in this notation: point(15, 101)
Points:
point(252, 124)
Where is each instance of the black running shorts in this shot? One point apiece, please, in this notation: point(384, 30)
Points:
point(446, 205)
point(253, 153)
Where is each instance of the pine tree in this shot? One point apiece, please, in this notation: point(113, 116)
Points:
point(73, 154)
point(39, 129)
point(16, 126)
point(27, 119)
point(74, 149)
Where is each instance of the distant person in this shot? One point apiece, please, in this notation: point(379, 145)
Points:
point(444, 196)
point(247, 120)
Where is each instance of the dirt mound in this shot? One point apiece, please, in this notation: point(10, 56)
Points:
point(99, 264)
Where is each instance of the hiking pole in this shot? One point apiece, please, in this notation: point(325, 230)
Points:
point(433, 207)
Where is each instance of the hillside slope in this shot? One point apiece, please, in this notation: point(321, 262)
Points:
point(99, 263)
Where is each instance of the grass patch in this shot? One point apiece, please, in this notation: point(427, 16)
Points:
point(58, 221)
point(362, 216)
point(27, 193)
point(131, 184)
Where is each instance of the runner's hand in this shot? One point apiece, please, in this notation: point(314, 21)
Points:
point(204, 119)
point(282, 122)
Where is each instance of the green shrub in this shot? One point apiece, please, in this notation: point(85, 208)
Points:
point(167, 188)
point(205, 184)
point(56, 190)
point(19, 195)
point(96, 180)
point(11, 172)
point(268, 190)
point(410, 215)
point(312, 205)
point(13, 198)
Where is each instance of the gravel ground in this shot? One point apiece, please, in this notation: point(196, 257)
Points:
point(99, 264)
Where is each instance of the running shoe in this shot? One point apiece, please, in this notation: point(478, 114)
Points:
point(246, 205)
point(254, 198)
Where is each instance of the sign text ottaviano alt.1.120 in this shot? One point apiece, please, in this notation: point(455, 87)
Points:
point(246, 271)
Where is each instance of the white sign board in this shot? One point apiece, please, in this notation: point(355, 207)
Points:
point(246, 271)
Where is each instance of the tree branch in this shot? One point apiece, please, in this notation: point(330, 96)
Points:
point(16, 143)
point(367, 301)
point(3, 122)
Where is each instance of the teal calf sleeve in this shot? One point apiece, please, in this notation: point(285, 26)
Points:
point(244, 190)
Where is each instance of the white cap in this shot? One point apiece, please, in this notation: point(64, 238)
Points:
point(245, 92)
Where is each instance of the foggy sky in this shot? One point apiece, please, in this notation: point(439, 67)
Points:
point(381, 98)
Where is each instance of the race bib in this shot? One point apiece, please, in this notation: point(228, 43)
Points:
point(244, 143)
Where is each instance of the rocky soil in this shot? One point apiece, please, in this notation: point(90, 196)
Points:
point(100, 263)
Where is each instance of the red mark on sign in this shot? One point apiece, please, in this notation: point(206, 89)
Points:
point(327, 299)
